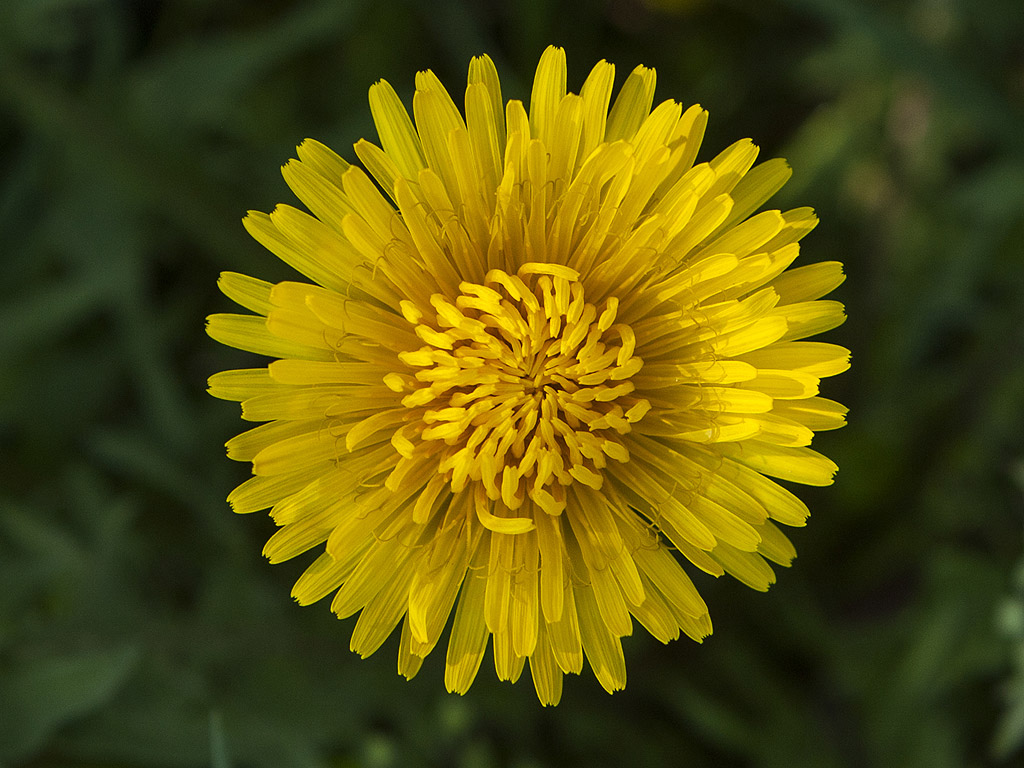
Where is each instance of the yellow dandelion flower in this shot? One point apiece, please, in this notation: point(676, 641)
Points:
point(561, 362)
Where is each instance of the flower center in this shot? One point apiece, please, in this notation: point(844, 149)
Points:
point(522, 385)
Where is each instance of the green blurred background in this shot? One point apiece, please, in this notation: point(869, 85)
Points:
point(139, 624)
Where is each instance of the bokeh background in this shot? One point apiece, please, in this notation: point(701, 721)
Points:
point(141, 628)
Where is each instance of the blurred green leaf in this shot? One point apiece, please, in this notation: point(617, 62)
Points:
point(164, 92)
point(40, 316)
point(218, 742)
point(41, 695)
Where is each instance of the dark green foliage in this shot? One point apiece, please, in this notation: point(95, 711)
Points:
point(139, 626)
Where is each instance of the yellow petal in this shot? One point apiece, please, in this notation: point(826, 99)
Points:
point(632, 105)
point(748, 567)
point(812, 357)
point(241, 384)
point(397, 135)
point(799, 465)
point(548, 91)
point(469, 636)
point(250, 333)
point(247, 291)
point(602, 648)
point(810, 282)
point(547, 677)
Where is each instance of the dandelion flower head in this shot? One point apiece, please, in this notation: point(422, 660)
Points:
point(547, 365)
